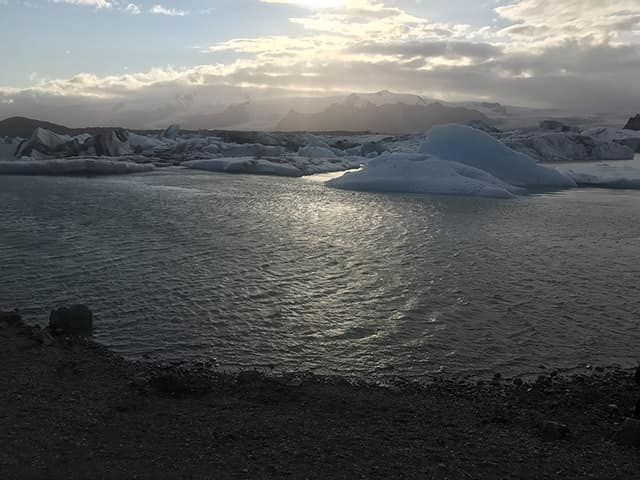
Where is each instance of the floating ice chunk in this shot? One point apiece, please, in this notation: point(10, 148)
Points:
point(72, 166)
point(564, 146)
point(171, 132)
point(311, 166)
point(603, 175)
point(245, 165)
point(144, 143)
point(316, 152)
point(311, 140)
point(420, 173)
point(477, 149)
point(629, 138)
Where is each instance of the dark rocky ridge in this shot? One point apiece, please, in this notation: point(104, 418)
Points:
point(71, 409)
point(396, 118)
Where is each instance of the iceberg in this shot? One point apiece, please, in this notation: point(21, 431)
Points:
point(244, 165)
point(72, 166)
point(312, 166)
point(565, 146)
point(316, 152)
point(466, 145)
point(604, 176)
point(422, 173)
point(628, 138)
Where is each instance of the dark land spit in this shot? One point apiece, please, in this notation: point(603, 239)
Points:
point(69, 408)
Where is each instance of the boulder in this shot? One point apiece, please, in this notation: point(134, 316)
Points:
point(73, 320)
point(12, 319)
point(629, 433)
point(633, 123)
point(553, 431)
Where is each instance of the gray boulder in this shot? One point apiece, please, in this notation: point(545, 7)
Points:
point(553, 431)
point(629, 433)
point(73, 320)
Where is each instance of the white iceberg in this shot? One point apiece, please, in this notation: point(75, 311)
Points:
point(421, 173)
point(244, 165)
point(604, 176)
point(558, 147)
point(629, 138)
point(312, 166)
point(311, 151)
point(477, 149)
point(72, 166)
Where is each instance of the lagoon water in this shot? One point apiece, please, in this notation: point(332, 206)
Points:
point(286, 273)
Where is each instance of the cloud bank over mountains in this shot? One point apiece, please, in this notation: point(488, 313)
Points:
point(576, 55)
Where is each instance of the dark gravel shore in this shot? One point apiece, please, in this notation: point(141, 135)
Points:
point(71, 409)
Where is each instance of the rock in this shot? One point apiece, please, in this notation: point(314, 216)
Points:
point(12, 319)
point(250, 376)
point(629, 433)
point(553, 431)
point(171, 384)
point(74, 320)
point(633, 123)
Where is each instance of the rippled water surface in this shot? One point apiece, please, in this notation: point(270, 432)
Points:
point(263, 271)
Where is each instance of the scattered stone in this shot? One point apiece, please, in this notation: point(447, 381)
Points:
point(250, 376)
point(517, 381)
point(553, 431)
point(73, 320)
point(171, 384)
point(629, 433)
point(13, 319)
point(633, 123)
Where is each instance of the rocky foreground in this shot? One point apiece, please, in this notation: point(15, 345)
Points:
point(71, 409)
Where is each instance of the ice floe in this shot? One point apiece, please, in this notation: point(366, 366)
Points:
point(480, 150)
point(421, 173)
point(604, 176)
point(73, 166)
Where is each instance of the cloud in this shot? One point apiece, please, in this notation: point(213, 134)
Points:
point(581, 55)
point(132, 9)
point(91, 3)
point(171, 12)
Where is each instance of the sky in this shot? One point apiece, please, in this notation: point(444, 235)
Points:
point(577, 55)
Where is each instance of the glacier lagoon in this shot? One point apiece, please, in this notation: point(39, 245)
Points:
point(285, 273)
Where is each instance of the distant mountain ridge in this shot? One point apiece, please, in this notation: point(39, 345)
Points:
point(24, 127)
point(397, 118)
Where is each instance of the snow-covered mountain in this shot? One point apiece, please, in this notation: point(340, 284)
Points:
point(396, 118)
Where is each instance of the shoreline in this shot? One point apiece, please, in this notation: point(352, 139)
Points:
point(70, 408)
